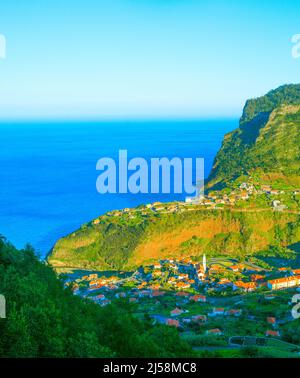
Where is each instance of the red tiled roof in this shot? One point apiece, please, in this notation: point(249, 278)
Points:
point(245, 285)
point(100, 296)
point(215, 330)
point(173, 322)
point(284, 279)
point(198, 297)
point(199, 317)
point(272, 333)
point(234, 311)
point(182, 294)
point(257, 277)
point(176, 311)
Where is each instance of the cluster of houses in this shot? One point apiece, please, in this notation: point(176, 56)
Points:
point(184, 278)
point(188, 284)
point(242, 193)
point(177, 275)
point(290, 279)
point(212, 200)
point(218, 198)
point(179, 316)
point(94, 283)
point(178, 319)
point(148, 209)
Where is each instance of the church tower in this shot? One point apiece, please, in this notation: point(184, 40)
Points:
point(204, 263)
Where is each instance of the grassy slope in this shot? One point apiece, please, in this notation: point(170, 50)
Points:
point(116, 246)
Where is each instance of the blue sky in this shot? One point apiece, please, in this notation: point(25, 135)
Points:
point(143, 58)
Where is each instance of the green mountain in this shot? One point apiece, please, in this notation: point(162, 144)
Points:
point(120, 242)
point(266, 145)
point(264, 149)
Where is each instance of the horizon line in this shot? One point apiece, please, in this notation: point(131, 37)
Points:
point(117, 119)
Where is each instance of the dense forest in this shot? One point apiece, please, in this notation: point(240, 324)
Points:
point(286, 94)
point(44, 319)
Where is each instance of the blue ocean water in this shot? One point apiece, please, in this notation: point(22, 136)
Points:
point(48, 170)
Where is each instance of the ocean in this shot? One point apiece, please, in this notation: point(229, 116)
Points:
point(48, 170)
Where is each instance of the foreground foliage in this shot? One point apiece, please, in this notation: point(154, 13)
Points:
point(46, 320)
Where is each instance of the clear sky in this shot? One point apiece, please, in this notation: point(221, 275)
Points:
point(143, 58)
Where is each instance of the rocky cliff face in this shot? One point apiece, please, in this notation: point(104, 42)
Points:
point(266, 143)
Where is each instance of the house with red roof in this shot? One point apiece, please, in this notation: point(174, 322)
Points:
point(271, 333)
point(257, 277)
point(95, 283)
point(284, 283)
point(198, 298)
point(172, 323)
point(199, 318)
point(245, 286)
point(215, 332)
point(234, 312)
point(182, 294)
point(100, 296)
point(176, 312)
point(182, 285)
point(155, 287)
point(183, 276)
point(225, 282)
point(271, 320)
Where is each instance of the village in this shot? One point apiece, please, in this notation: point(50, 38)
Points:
point(210, 301)
point(201, 298)
point(247, 191)
point(245, 196)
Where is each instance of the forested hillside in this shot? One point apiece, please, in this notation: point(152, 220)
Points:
point(267, 143)
point(46, 320)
